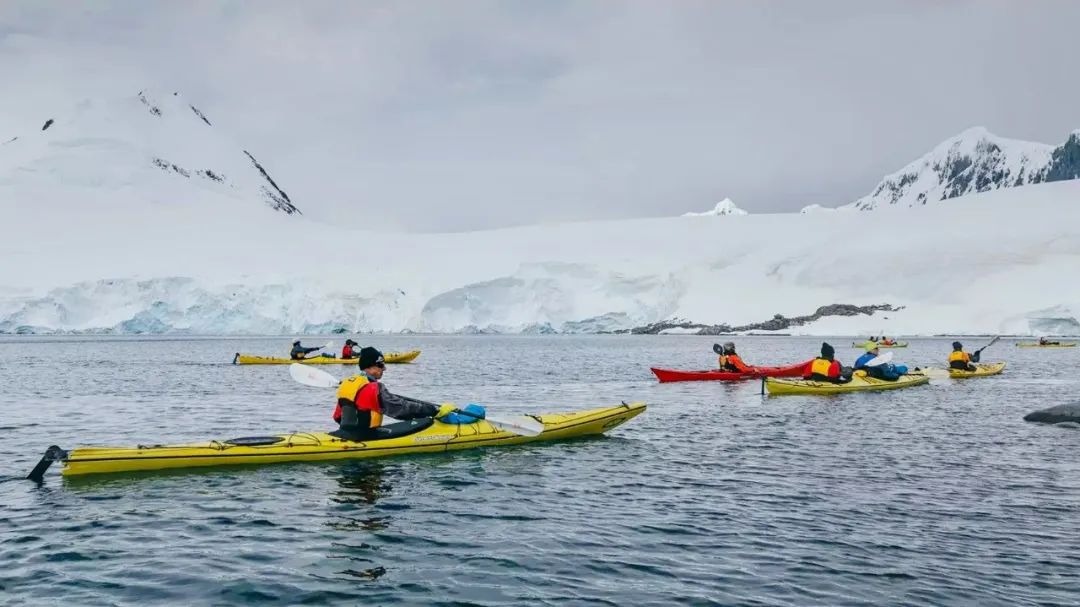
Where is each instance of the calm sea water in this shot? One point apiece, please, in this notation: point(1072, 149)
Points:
point(937, 495)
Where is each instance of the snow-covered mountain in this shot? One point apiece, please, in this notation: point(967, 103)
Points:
point(971, 162)
point(100, 238)
point(724, 207)
point(145, 146)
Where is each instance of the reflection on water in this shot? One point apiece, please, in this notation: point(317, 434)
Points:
point(359, 486)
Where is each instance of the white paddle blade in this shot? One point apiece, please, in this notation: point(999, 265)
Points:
point(934, 373)
point(310, 376)
point(880, 359)
point(517, 424)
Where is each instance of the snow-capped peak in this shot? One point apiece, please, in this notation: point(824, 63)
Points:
point(974, 161)
point(153, 147)
point(724, 207)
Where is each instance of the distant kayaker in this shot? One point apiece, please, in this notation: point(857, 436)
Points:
point(299, 352)
point(886, 371)
point(729, 360)
point(827, 368)
point(363, 400)
point(349, 349)
point(962, 360)
point(1045, 342)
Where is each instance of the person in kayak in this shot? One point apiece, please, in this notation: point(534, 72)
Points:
point(348, 351)
point(1045, 342)
point(962, 360)
point(885, 371)
point(827, 368)
point(729, 360)
point(299, 352)
point(363, 400)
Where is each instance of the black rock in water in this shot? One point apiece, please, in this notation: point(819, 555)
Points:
point(1056, 415)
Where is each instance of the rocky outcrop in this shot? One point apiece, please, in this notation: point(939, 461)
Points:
point(777, 323)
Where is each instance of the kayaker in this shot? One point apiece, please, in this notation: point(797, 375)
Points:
point(962, 360)
point(729, 360)
point(1046, 342)
point(348, 351)
point(827, 368)
point(886, 371)
point(299, 352)
point(363, 400)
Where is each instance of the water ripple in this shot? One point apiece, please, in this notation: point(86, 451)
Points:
point(716, 496)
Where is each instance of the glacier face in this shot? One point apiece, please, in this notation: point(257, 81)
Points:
point(977, 265)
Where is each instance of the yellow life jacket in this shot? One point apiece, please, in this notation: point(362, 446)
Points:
point(820, 366)
point(350, 408)
point(959, 356)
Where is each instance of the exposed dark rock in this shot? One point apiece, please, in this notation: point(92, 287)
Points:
point(279, 199)
point(199, 114)
point(48, 123)
point(1056, 415)
point(776, 323)
point(211, 175)
point(1065, 161)
point(165, 165)
point(153, 108)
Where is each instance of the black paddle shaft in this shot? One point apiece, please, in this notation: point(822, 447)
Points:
point(52, 454)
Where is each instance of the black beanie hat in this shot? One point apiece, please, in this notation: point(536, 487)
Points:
point(369, 357)
point(957, 345)
point(827, 351)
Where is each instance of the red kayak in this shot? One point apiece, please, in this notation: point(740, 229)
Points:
point(669, 375)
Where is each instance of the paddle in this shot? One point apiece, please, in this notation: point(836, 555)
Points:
point(992, 342)
point(322, 347)
point(880, 359)
point(518, 424)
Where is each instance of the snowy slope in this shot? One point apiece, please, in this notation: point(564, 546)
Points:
point(101, 237)
point(724, 207)
point(974, 161)
point(146, 146)
point(972, 266)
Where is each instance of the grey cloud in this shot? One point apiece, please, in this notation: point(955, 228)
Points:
point(450, 116)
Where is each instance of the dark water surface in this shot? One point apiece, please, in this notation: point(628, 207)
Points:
point(938, 495)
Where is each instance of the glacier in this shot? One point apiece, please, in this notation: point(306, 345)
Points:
point(100, 237)
point(1003, 261)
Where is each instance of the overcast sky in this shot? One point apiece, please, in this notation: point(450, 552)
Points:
point(468, 114)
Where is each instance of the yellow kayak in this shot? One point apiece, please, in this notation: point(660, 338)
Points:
point(1035, 344)
point(389, 357)
point(415, 436)
point(859, 383)
point(898, 344)
point(982, 370)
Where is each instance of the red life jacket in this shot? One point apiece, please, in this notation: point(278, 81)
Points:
point(347, 352)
